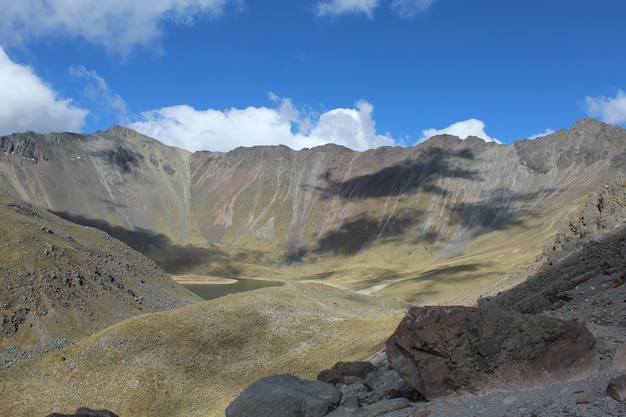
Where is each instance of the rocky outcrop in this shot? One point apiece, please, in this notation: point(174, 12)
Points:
point(357, 389)
point(285, 396)
point(441, 351)
point(86, 412)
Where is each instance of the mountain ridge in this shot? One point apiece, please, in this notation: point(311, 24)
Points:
point(327, 213)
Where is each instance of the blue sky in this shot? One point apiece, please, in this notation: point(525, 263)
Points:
point(217, 74)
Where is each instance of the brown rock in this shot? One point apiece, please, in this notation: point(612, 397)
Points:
point(445, 350)
point(586, 398)
point(617, 388)
point(341, 370)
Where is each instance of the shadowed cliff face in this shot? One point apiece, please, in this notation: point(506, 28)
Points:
point(392, 212)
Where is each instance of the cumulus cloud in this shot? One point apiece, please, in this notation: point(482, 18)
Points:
point(546, 132)
point(28, 103)
point(217, 130)
point(608, 109)
point(403, 8)
point(118, 25)
point(463, 129)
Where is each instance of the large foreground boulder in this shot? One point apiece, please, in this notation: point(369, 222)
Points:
point(444, 350)
point(285, 396)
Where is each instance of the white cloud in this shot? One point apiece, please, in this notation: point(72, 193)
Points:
point(607, 109)
point(97, 91)
point(403, 8)
point(339, 7)
point(118, 25)
point(463, 129)
point(216, 130)
point(410, 8)
point(27, 103)
point(546, 132)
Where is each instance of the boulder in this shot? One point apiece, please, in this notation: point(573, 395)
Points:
point(285, 396)
point(444, 350)
point(617, 388)
point(86, 412)
point(342, 370)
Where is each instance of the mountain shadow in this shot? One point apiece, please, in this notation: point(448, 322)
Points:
point(172, 258)
point(405, 177)
point(362, 231)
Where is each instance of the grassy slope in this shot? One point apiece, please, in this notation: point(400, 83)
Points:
point(194, 361)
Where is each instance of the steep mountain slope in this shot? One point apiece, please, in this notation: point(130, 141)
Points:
point(60, 282)
point(428, 223)
point(131, 186)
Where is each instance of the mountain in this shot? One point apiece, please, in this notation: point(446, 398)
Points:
point(428, 223)
point(446, 221)
point(61, 282)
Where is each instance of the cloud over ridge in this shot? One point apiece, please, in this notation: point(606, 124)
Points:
point(223, 130)
point(608, 109)
point(462, 129)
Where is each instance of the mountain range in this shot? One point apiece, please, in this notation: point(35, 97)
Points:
point(370, 221)
point(95, 223)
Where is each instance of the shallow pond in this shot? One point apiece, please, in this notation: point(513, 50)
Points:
point(211, 291)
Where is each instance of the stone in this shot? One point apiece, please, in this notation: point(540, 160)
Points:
point(471, 350)
point(586, 398)
point(617, 388)
point(86, 412)
point(341, 370)
point(382, 407)
point(285, 396)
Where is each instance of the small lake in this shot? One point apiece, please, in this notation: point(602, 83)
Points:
point(211, 291)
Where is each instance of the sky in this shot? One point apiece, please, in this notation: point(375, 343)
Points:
point(219, 74)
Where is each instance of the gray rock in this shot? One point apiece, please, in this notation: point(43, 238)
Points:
point(86, 412)
point(376, 409)
point(285, 396)
point(617, 388)
point(457, 350)
point(382, 407)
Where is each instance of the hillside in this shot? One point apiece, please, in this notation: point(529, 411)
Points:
point(60, 282)
point(427, 223)
point(193, 361)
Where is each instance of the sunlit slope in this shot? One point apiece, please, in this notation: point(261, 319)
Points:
point(414, 222)
point(194, 361)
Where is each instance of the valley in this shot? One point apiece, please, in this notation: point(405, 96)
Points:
point(103, 232)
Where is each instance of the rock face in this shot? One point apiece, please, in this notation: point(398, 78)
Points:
point(285, 396)
point(445, 350)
